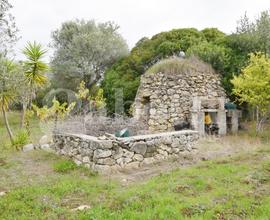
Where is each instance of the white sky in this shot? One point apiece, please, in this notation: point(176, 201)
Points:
point(36, 19)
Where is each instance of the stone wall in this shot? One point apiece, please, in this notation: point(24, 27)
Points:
point(103, 154)
point(165, 97)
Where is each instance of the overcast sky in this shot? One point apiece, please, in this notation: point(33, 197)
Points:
point(36, 19)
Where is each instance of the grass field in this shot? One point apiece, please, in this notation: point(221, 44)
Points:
point(41, 185)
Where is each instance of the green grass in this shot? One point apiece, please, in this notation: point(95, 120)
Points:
point(230, 188)
point(42, 185)
point(64, 166)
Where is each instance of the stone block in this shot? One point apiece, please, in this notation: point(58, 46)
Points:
point(165, 148)
point(138, 157)
point(127, 153)
point(122, 161)
point(106, 144)
point(86, 160)
point(99, 153)
point(107, 161)
point(118, 153)
point(162, 152)
point(139, 148)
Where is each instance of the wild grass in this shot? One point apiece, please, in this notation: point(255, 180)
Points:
point(42, 185)
point(64, 166)
point(177, 66)
point(231, 188)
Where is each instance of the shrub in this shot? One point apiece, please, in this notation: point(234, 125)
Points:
point(64, 166)
point(20, 139)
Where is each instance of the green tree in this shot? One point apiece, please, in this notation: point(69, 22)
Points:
point(262, 31)
point(34, 70)
point(253, 86)
point(213, 35)
point(8, 34)
point(211, 53)
point(83, 51)
point(8, 91)
point(251, 36)
point(8, 83)
point(125, 74)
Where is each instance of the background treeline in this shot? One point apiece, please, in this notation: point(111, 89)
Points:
point(228, 54)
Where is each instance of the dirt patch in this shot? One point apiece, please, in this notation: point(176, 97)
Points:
point(23, 168)
point(207, 149)
point(2, 162)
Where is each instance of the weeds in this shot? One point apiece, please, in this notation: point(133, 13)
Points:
point(64, 166)
point(20, 139)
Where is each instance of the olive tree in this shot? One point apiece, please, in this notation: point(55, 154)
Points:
point(9, 80)
point(8, 29)
point(83, 51)
point(8, 70)
point(254, 35)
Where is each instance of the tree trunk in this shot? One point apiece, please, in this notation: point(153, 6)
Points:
point(23, 115)
point(7, 125)
point(260, 120)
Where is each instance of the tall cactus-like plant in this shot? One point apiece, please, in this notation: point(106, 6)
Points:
point(34, 70)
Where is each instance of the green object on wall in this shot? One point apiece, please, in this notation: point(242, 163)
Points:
point(122, 133)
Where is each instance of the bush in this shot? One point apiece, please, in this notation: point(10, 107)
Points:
point(125, 74)
point(64, 166)
point(20, 139)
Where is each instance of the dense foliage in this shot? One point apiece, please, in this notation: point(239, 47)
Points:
point(125, 74)
point(253, 86)
point(83, 51)
point(228, 54)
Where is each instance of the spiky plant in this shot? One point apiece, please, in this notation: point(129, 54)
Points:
point(35, 68)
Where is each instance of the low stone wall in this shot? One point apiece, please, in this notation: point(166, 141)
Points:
point(116, 153)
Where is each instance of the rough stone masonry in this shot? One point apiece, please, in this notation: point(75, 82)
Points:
point(166, 93)
point(105, 154)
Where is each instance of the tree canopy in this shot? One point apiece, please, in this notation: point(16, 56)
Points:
point(253, 84)
point(125, 74)
point(8, 29)
point(228, 54)
point(83, 51)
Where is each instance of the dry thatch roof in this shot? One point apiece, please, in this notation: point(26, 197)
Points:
point(176, 65)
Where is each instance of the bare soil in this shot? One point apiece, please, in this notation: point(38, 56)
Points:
point(208, 148)
point(23, 168)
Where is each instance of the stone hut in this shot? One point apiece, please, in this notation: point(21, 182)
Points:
point(176, 90)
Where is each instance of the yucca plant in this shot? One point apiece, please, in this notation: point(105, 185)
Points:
point(35, 68)
point(34, 71)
